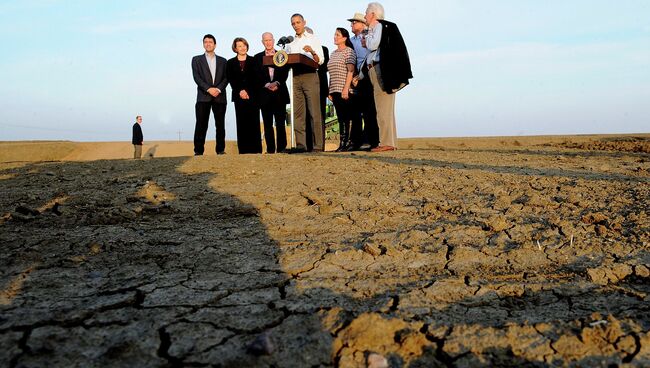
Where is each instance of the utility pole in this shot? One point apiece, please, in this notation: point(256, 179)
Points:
point(179, 135)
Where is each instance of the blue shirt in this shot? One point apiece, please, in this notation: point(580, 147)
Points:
point(373, 39)
point(361, 51)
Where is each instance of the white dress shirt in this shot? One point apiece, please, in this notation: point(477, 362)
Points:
point(296, 47)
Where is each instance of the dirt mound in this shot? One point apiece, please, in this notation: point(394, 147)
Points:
point(623, 144)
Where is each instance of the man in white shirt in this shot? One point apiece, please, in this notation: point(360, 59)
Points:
point(306, 87)
point(384, 102)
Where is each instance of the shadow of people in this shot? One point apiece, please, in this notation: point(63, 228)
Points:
point(151, 152)
point(170, 263)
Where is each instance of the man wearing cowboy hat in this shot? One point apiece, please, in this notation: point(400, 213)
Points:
point(358, 25)
point(362, 102)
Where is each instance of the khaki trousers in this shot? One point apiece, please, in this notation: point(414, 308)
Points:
point(306, 96)
point(137, 151)
point(385, 104)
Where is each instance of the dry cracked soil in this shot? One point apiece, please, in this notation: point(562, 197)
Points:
point(437, 255)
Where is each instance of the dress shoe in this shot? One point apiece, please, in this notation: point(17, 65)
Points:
point(297, 150)
point(383, 149)
point(352, 148)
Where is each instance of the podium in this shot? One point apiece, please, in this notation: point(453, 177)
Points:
point(292, 60)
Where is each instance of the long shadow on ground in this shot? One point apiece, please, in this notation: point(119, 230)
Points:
point(135, 263)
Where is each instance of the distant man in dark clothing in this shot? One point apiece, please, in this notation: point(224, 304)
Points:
point(209, 72)
point(137, 138)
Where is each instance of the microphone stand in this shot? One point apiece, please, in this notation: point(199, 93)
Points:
point(293, 133)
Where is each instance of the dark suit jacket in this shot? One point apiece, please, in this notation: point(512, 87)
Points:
point(137, 135)
point(203, 79)
point(239, 79)
point(322, 75)
point(395, 63)
point(280, 75)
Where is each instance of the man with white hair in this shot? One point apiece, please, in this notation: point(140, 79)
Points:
point(273, 96)
point(389, 69)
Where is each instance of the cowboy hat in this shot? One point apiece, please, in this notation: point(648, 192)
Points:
point(358, 17)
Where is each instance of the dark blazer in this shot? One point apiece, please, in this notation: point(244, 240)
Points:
point(322, 74)
point(280, 75)
point(203, 79)
point(137, 135)
point(395, 63)
point(242, 79)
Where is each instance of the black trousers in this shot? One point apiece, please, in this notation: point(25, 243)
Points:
point(343, 115)
point(364, 103)
point(249, 137)
point(279, 112)
point(202, 110)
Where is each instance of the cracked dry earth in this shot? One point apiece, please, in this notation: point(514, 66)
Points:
point(444, 257)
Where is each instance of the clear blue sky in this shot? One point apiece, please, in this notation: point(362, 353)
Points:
point(82, 70)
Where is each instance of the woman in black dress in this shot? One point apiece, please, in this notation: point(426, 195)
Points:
point(241, 76)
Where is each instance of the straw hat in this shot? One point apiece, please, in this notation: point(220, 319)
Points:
point(358, 17)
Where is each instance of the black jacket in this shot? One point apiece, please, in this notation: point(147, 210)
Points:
point(280, 75)
point(203, 79)
point(137, 135)
point(242, 79)
point(395, 62)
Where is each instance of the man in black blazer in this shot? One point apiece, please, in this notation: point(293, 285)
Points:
point(209, 72)
point(137, 138)
point(273, 96)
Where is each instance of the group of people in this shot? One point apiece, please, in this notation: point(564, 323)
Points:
point(365, 71)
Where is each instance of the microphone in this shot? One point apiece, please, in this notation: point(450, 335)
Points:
point(285, 40)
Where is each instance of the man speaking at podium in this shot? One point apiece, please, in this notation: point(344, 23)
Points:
point(306, 87)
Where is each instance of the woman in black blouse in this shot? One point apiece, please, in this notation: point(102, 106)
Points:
point(241, 76)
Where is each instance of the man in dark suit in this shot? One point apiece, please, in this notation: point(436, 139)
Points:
point(137, 138)
point(209, 72)
point(273, 97)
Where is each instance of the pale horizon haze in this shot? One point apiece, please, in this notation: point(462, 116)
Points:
point(82, 70)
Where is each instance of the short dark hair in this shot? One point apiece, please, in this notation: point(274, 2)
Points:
point(210, 37)
point(239, 39)
point(298, 15)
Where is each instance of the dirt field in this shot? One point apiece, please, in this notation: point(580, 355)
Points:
point(522, 252)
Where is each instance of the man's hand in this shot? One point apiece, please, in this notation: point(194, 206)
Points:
point(243, 94)
point(213, 91)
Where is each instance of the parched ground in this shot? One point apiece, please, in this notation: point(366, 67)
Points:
point(447, 253)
